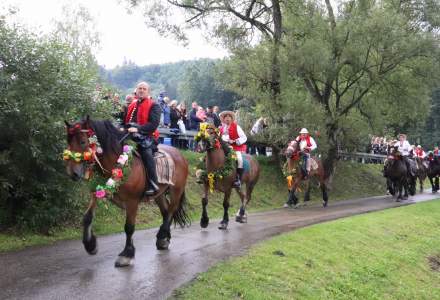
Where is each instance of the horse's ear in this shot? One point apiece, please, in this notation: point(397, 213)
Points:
point(67, 124)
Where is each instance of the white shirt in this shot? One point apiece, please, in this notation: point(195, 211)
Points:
point(403, 147)
point(303, 143)
point(257, 127)
point(242, 138)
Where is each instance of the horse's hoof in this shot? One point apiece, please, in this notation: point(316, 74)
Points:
point(91, 245)
point(287, 205)
point(223, 225)
point(241, 219)
point(123, 261)
point(163, 244)
point(324, 204)
point(398, 200)
point(204, 222)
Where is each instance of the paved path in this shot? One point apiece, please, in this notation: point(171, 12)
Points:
point(65, 271)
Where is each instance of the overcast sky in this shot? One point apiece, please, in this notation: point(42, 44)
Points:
point(122, 35)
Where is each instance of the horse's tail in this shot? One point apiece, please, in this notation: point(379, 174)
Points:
point(181, 216)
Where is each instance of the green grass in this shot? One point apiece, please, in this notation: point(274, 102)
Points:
point(271, 192)
point(381, 255)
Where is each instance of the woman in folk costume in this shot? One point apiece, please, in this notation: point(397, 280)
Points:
point(306, 145)
point(419, 152)
point(232, 134)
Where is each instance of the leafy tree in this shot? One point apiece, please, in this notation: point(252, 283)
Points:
point(237, 24)
point(42, 82)
point(366, 61)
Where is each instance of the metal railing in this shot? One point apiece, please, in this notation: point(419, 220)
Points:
point(361, 157)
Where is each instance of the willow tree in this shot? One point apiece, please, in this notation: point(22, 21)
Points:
point(236, 24)
point(373, 60)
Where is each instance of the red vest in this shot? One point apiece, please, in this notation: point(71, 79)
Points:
point(233, 135)
point(143, 113)
point(299, 139)
point(419, 152)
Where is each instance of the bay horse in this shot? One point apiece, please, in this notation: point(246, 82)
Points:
point(217, 160)
point(293, 155)
point(130, 192)
point(421, 171)
point(433, 171)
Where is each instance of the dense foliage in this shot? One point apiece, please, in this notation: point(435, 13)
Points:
point(42, 83)
point(186, 81)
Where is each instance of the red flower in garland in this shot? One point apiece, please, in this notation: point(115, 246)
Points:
point(217, 144)
point(117, 173)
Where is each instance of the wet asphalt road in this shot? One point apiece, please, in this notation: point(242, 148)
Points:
point(65, 271)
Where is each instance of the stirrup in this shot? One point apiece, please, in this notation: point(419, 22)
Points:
point(237, 184)
point(152, 190)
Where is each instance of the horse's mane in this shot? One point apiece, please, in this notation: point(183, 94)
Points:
point(108, 136)
point(225, 146)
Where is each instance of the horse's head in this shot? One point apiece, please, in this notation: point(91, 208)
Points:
point(79, 152)
point(292, 149)
point(207, 138)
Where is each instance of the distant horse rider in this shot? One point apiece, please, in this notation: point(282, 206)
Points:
point(404, 148)
point(142, 120)
point(306, 145)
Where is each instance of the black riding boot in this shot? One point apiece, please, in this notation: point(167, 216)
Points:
point(304, 167)
point(150, 167)
point(408, 167)
point(239, 175)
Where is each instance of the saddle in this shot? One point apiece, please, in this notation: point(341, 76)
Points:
point(165, 166)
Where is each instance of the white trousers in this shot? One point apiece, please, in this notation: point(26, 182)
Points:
point(239, 159)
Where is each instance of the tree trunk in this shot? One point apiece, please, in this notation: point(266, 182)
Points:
point(332, 152)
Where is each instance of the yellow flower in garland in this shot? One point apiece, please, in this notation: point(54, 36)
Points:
point(211, 182)
point(67, 154)
point(77, 157)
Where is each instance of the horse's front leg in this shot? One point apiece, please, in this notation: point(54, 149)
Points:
point(127, 255)
point(89, 239)
point(204, 221)
point(224, 223)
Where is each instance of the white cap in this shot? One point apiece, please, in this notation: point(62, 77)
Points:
point(419, 146)
point(304, 130)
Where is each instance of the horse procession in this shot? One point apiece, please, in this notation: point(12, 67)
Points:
point(126, 165)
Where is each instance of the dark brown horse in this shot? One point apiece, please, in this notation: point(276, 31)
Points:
point(130, 193)
point(434, 171)
point(293, 155)
point(217, 154)
point(421, 171)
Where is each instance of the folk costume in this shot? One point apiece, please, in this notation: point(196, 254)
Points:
point(404, 147)
point(235, 136)
point(306, 145)
point(144, 114)
point(418, 152)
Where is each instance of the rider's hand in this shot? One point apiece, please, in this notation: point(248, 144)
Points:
point(132, 130)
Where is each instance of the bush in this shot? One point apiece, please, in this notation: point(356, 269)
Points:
point(42, 82)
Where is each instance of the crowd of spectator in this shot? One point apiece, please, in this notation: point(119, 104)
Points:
point(179, 120)
point(379, 145)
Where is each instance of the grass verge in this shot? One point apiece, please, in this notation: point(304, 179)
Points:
point(392, 254)
point(270, 192)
